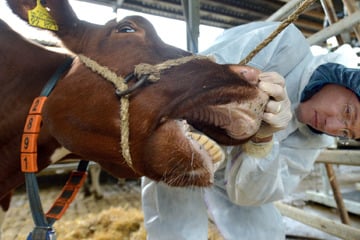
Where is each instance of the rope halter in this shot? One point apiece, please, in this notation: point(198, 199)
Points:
point(143, 72)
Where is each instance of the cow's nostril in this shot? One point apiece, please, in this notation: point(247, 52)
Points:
point(249, 74)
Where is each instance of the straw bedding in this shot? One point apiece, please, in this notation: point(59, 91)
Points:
point(117, 215)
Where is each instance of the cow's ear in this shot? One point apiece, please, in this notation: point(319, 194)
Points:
point(68, 27)
point(41, 13)
point(61, 12)
point(21, 7)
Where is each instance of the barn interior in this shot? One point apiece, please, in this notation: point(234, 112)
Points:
point(313, 21)
point(325, 206)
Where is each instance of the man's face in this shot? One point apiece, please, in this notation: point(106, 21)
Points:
point(333, 110)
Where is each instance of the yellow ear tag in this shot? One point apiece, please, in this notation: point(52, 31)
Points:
point(40, 17)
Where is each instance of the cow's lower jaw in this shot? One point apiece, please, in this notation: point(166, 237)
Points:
point(179, 156)
point(198, 178)
point(211, 153)
point(206, 146)
point(201, 146)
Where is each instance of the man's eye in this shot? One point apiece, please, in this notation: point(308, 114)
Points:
point(125, 29)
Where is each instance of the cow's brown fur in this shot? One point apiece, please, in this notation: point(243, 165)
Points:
point(82, 113)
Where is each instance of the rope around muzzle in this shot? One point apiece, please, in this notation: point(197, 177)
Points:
point(152, 71)
point(291, 18)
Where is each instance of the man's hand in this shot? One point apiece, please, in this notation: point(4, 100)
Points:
point(277, 112)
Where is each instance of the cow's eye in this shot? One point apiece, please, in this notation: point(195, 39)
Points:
point(125, 29)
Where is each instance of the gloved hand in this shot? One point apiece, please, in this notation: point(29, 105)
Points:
point(276, 116)
point(277, 112)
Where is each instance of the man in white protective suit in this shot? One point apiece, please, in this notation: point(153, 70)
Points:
point(271, 165)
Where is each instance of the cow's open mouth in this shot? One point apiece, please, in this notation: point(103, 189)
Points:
point(203, 144)
point(209, 145)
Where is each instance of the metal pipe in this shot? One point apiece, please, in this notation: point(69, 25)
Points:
point(330, 13)
point(351, 7)
point(329, 226)
point(335, 29)
point(284, 11)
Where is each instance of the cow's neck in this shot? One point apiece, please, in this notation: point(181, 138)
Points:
point(27, 75)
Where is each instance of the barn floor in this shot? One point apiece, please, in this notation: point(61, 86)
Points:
point(86, 216)
point(118, 215)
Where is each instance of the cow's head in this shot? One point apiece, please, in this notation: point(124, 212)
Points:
point(176, 123)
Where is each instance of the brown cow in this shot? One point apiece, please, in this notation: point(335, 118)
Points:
point(81, 116)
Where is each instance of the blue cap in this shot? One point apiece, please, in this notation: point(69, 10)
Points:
point(332, 73)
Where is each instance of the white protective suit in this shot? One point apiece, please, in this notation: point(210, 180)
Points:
point(240, 200)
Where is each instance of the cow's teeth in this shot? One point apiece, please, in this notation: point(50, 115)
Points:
point(219, 156)
point(200, 138)
point(213, 150)
point(195, 136)
point(209, 145)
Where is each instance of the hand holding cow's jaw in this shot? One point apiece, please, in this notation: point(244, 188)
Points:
point(247, 117)
point(244, 117)
point(277, 112)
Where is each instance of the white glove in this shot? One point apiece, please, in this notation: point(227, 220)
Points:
point(277, 112)
point(276, 116)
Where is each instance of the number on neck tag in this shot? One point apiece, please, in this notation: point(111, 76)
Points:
point(40, 17)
